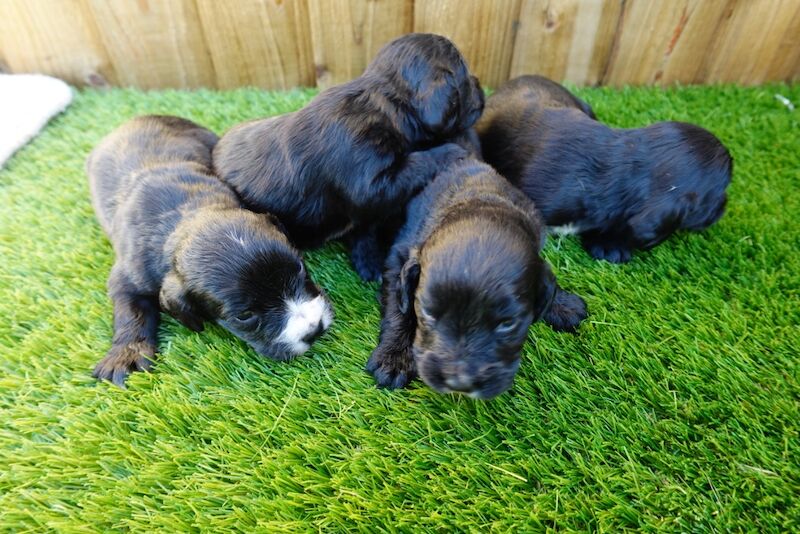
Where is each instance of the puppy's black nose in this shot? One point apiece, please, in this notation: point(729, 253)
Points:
point(314, 334)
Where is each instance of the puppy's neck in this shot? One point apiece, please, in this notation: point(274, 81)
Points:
point(187, 227)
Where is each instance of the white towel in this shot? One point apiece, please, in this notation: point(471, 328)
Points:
point(27, 102)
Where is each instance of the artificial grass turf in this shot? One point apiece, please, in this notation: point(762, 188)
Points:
point(675, 408)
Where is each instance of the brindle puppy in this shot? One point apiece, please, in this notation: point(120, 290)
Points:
point(185, 245)
point(463, 282)
point(358, 152)
point(620, 189)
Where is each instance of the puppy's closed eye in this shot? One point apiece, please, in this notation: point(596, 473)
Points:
point(246, 319)
point(507, 325)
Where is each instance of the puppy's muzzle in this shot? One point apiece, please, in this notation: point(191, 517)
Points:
point(306, 321)
point(313, 335)
point(479, 382)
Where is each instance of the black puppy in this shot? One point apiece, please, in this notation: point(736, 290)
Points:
point(463, 282)
point(184, 244)
point(358, 152)
point(620, 189)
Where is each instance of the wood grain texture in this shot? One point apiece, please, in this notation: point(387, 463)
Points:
point(56, 37)
point(346, 34)
point(286, 43)
point(483, 31)
point(754, 36)
point(154, 44)
point(565, 39)
point(785, 63)
point(647, 32)
point(687, 56)
point(264, 43)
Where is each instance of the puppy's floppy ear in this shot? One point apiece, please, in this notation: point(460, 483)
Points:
point(407, 285)
point(273, 220)
point(658, 220)
point(436, 101)
point(174, 301)
point(545, 291)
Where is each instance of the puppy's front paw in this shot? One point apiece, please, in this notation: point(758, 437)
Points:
point(391, 370)
point(367, 256)
point(123, 360)
point(566, 312)
point(451, 153)
point(610, 253)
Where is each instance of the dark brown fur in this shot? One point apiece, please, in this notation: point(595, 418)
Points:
point(463, 282)
point(183, 242)
point(357, 153)
point(620, 189)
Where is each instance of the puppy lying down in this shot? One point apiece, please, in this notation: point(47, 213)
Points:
point(357, 153)
point(184, 245)
point(463, 282)
point(619, 189)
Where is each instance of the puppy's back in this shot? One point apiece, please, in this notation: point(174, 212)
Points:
point(540, 92)
point(142, 144)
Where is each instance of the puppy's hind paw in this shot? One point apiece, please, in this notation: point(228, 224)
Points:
point(566, 312)
point(610, 253)
point(369, 271)
point(367, 258)
point(123, 360)
point(390, 370)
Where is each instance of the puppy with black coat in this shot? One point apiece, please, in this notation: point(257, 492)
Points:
point(619, 189)
point(185, 245)
point(463, 282)
point(357, 153)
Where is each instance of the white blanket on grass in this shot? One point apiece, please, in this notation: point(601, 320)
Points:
point(27, 102)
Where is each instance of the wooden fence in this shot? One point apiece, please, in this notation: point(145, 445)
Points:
point(288, 43)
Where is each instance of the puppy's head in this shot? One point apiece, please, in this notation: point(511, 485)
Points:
point(238, 269)
point(691, 170)
point(444, 97)
point(475, 290)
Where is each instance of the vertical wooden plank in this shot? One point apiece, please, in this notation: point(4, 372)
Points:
point(755, 34)
point(154, 43)
point(266, 43)
point(647, 30)
point(595, 30)
point(544, 37)
point(785, 64)
point(704, 41)
point(483, 31)
point(565, 39)
point(55, 37)
point(346, 34)
point(687, 56)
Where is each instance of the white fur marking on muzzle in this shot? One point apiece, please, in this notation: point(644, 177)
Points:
point(564, 229)
point(303, 319)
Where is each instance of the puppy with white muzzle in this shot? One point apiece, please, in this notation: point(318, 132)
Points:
point(619, 189)
point(463, 283)
point(185, 245)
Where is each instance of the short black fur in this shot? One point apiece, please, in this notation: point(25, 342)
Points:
point(185, 245)
point(620, 189)
point(463, 282)
point(359, 151)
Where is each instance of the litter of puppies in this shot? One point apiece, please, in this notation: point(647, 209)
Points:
point(445, 202)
